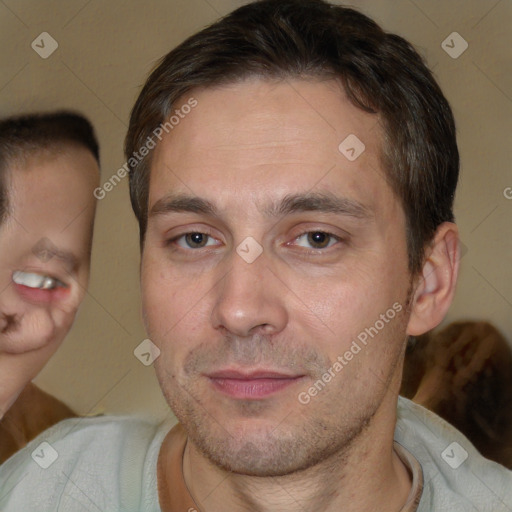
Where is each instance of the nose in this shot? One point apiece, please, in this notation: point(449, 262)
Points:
point(24, 327)
point(250, 299)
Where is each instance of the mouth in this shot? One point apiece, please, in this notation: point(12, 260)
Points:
point(251, 385)
point(36, 287)
point(32, 280)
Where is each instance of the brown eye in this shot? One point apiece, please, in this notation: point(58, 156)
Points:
point(319, 239)
point(196, 240)
point(193, 240)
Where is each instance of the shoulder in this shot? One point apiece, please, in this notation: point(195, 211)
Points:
point(82, 464)
point(455, 476)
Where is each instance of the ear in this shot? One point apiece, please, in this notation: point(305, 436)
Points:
point(435, 287)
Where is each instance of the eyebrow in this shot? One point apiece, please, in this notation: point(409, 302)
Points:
point(323, 202)
point(67, 257)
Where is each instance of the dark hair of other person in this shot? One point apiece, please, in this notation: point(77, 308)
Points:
point(25, 135)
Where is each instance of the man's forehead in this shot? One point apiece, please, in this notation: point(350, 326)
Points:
point(227, 144)
point(257, 115)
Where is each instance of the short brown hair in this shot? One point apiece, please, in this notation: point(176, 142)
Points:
point(381, 73)
point(22, 136)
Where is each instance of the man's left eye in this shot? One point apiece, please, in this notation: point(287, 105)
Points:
point(317, 240)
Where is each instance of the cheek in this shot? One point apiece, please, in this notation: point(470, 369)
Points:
point(338, 310)
point(170, 304)
point(336, 296)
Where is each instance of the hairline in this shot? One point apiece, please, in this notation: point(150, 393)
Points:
point(21, 159)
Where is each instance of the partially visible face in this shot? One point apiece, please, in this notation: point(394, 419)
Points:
point(247, 327)
point(45, 249)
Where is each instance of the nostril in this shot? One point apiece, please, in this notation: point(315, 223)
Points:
point(28, 331)
point(7, 323)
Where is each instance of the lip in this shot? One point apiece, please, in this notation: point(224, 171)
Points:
point(39, 295)
point(251, 385)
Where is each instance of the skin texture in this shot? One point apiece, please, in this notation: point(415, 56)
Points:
point(294, 310)
point(52, 208)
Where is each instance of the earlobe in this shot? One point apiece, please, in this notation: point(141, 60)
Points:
point(435, 288)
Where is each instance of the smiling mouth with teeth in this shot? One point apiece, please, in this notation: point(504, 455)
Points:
point(32, 280)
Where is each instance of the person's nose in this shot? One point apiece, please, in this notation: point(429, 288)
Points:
point(250, 299)
point(24, 326)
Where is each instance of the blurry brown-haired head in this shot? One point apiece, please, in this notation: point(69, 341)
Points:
point(23, 136)
point(464, 374)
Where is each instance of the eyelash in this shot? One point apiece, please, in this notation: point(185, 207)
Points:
point(331, 236)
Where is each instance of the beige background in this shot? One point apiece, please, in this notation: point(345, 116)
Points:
point(107, 48)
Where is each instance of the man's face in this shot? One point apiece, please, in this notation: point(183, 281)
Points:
point(244, 336)
point(44, 249)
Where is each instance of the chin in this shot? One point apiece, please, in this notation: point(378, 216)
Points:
point(261, 456)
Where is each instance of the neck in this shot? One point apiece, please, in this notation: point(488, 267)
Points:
point(368, 475)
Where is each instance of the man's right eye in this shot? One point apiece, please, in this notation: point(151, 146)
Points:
point(193, 240)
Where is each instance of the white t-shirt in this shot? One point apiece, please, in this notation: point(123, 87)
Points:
point(108, 464)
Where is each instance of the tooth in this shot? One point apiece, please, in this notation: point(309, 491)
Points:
point(29, 279)
point(48, 283)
